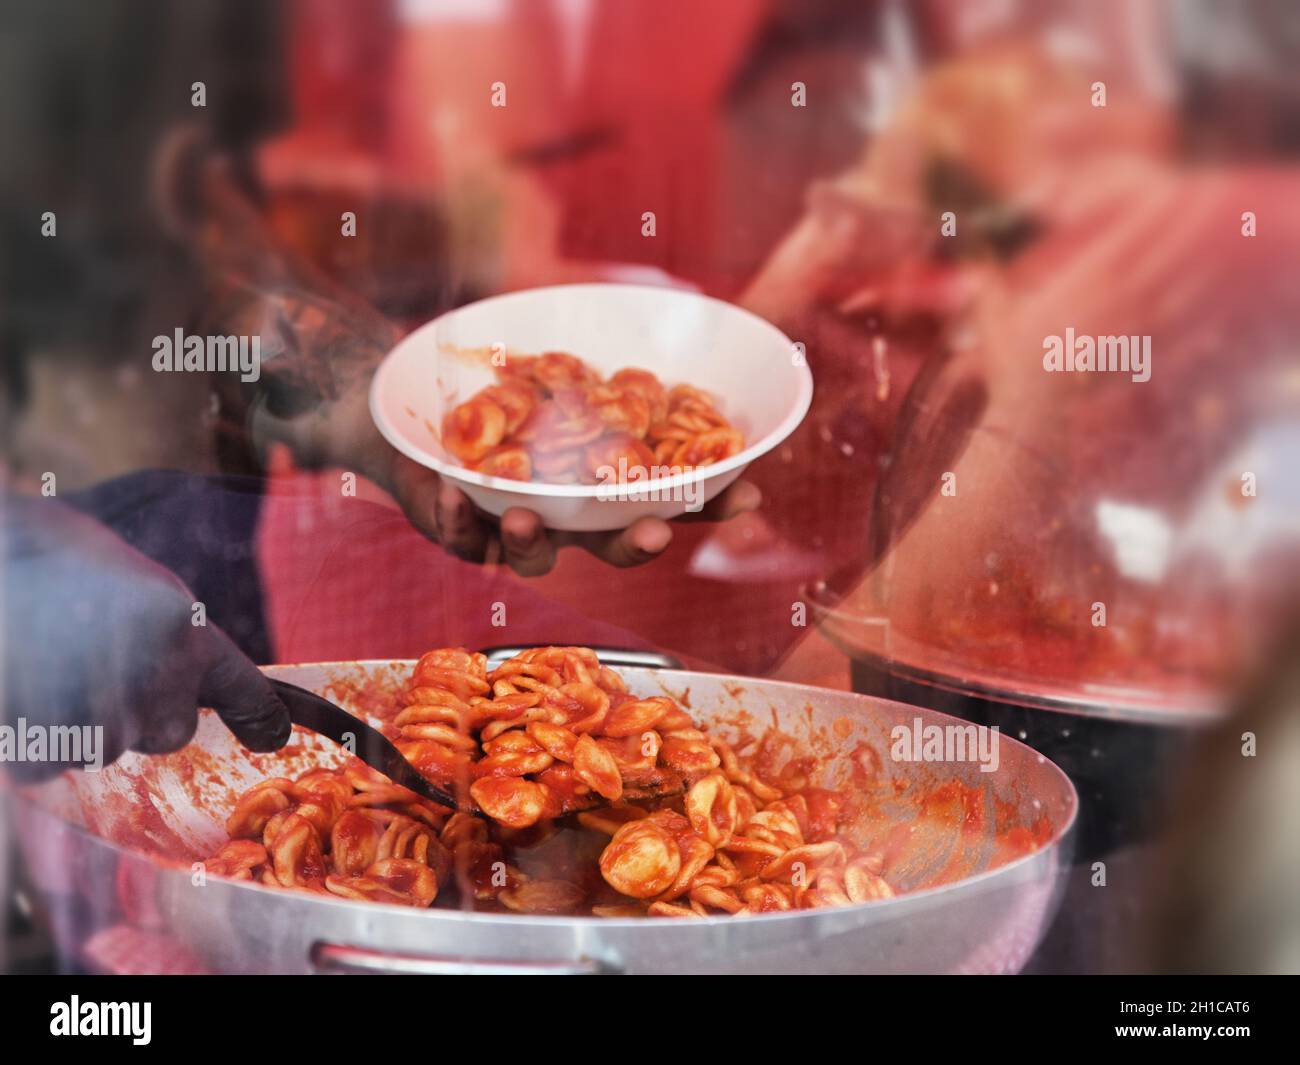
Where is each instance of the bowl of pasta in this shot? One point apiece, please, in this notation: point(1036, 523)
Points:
point(614, 818)
point(594, 404)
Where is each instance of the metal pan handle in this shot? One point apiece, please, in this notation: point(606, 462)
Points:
point(338, 958)
point(610, 656)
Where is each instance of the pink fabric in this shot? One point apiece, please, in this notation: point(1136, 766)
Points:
point(346, 577)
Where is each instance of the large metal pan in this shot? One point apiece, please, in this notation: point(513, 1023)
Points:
point(82, 836)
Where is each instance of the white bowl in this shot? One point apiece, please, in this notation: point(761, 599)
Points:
point(761, 381)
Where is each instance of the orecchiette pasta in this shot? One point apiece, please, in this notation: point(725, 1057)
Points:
point(552, 418)
point(658, 816)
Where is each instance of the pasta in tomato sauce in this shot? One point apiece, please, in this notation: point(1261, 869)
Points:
point(552, 418)
point(596, 800)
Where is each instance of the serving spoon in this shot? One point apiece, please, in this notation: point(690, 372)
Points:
point(318, 714)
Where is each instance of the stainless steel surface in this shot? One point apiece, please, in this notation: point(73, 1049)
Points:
point(610, 656)
point(311, 711)
point(988, 922)
point(335, 958)
point(918, 664)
